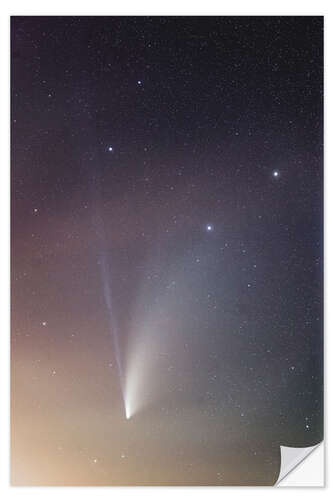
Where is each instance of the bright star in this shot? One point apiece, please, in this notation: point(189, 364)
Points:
point(110, 148)
point(209, 228)
point(139, 82)
point(276, 174)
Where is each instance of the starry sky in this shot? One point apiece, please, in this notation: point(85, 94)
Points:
point(166, 257)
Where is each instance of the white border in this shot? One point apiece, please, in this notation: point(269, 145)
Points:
point(142, 7)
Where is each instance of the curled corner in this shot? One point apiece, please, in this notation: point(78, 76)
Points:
point(291, 458)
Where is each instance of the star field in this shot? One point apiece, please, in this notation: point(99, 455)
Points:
point(166, 248)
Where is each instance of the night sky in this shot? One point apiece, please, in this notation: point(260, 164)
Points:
point(166, 248)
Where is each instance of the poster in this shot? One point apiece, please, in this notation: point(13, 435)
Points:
point(166, 249)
